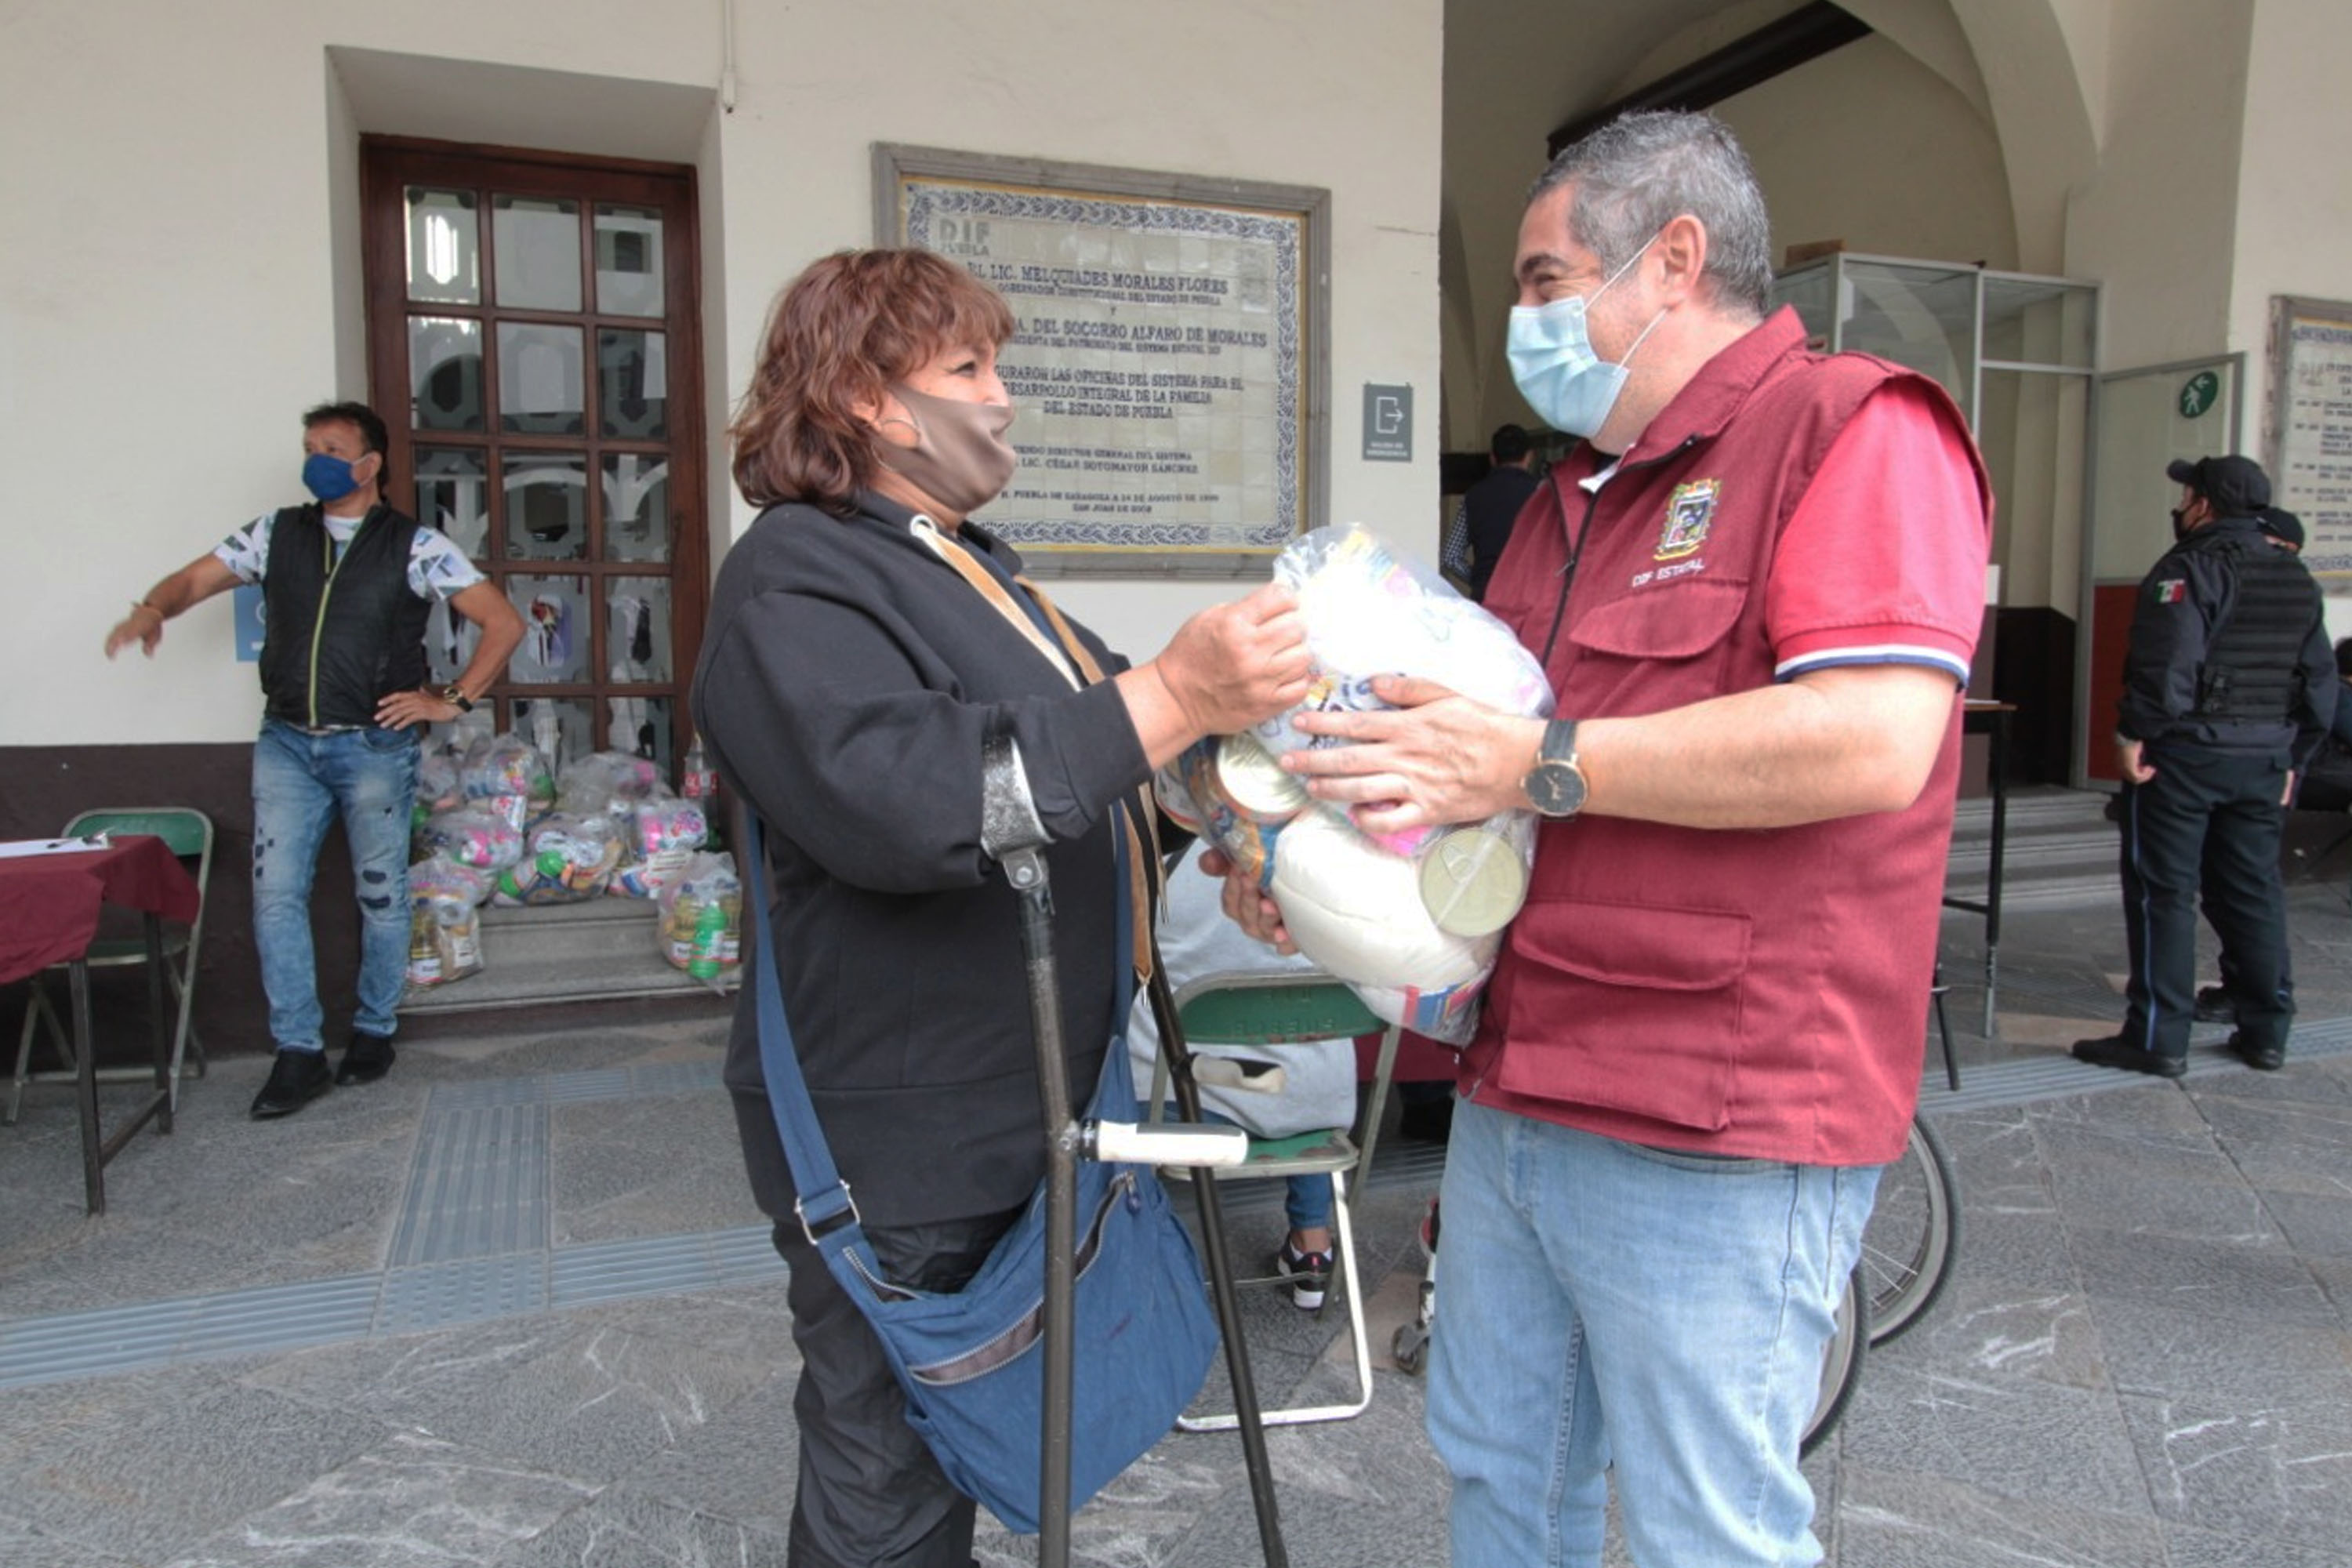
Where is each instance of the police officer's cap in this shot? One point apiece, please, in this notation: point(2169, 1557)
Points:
point(2236, 486)
point(2281, 524)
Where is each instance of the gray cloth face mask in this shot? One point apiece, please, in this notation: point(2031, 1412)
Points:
point(960, 458)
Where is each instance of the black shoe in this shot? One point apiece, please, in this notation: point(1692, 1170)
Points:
point(296, 1078)
point(2216, 1006)
point(2114, 1051)
point(367, 1058)
point(2262, 1058)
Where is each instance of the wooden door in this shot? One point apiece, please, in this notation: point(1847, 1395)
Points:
point(534, 335)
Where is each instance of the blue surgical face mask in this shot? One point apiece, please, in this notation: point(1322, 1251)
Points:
point(1552, 359)
point(328, 477)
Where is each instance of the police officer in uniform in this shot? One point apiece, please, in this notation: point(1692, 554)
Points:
point(2229, 684)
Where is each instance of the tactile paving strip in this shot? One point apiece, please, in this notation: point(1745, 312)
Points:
point(440, 1294)
point(473, 1238)
point(478, 1185)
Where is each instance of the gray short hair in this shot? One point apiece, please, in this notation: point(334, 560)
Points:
point(1641, 171)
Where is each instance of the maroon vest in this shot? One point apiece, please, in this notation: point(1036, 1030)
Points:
point(1754, 992)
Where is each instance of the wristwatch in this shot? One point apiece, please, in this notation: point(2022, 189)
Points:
point(1556, 785)
point(456, 694)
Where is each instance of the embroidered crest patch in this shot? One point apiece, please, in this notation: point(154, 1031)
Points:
point(2171, 590)
point(1689, 512)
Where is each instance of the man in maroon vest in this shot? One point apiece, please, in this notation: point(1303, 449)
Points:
point(1756, 585)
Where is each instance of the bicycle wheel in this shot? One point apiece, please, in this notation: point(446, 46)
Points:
point(1908, 1247)
point(1840, 1365)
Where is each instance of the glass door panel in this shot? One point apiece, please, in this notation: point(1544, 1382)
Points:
point(546, 506)
point(628, 260)
point(444, 246)
point(537, 253)
point(453, 494)
point(637, 631)
point(444, 356)
point(555, 630)
point(636, 507)
point(560, 726)
point(540, 379)
point(633, 385)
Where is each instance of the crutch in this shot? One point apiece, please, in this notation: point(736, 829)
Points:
point(1012, 835)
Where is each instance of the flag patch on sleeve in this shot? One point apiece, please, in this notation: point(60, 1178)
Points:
point(2171, 590)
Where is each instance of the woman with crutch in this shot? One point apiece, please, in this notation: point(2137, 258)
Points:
point(867, 640)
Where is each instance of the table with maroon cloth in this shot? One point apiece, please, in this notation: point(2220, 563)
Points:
point(49, 907)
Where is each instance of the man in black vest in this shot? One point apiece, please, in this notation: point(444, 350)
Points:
point(2228, 687)
point(347, 584)
point(1475, 539)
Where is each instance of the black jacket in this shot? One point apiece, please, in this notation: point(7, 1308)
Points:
point(847, 678)
point(2191, 599)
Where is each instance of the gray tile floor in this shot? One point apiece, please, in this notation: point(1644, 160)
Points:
point(512, 1306)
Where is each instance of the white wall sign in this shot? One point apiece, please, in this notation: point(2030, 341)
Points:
point(2311, 425)
point(1167, 359)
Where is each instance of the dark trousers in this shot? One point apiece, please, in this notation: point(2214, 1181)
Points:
point(870, 1495)
point(2215, 813)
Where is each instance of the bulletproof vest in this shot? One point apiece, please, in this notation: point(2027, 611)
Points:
point(340, 635)
point(2251, 667)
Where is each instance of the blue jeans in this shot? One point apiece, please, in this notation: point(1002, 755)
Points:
point(299, 783)
point(1602, 1304)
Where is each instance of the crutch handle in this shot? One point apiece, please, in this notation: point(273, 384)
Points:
point(1126, 1143)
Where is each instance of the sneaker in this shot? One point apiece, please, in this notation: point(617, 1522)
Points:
point(2114, 1051)
point(2216, 1006)
point(367, 1058)
point(2262, 1058)
point(296, 1078)
point(1310, 1274)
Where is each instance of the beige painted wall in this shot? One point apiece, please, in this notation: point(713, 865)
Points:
point(2152, 224)
point(186, 286)
point(1867, 144)
point(2294, 219)
point(2294, 230)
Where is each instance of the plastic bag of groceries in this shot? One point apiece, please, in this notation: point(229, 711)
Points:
point(606, 783)
point(664, 832)
point(701, 929)
point(481, 839)
point(507, 774)
point(1410, 920)
point(444, 938)
point(437, 790)
point(437, 784)
point(565, 859)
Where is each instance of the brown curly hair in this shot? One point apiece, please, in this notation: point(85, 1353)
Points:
point(838, 335)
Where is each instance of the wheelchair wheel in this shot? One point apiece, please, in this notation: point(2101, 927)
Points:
point(1908, 1246)
point(1840, 1365)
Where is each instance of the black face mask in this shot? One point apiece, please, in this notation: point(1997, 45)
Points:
point(2180, 528)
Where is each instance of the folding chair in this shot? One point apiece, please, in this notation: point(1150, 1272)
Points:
point(189, 835)
point(1268, 1011)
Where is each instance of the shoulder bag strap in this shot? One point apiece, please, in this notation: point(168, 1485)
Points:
point(827, 1214)
point(1042, 624)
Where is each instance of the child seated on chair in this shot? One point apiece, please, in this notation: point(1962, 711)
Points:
point(1319, 1077)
